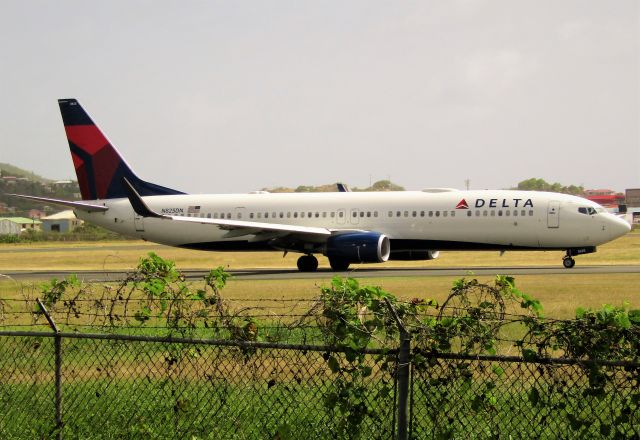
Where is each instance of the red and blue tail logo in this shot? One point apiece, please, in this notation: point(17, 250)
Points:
point(99, 167)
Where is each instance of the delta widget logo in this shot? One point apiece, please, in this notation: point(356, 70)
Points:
point(462, 204)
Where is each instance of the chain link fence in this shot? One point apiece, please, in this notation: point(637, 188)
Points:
point(123, 386)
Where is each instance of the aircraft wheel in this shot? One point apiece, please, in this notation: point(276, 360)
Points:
point(568, 262)
point(307, 263)
point(338, 264)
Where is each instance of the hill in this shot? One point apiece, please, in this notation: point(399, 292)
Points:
point(11, 170)
point(19, 181)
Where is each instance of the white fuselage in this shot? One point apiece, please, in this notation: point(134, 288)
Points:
point(438, 220)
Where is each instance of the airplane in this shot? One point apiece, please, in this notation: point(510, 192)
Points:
point(346, 227)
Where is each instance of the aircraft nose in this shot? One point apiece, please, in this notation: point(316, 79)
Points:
point(618, 227)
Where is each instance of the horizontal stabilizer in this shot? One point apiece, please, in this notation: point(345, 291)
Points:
point(82, 206)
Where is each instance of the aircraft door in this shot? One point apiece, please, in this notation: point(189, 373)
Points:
point(138, 222)
point(239, 213)
point(553, 214)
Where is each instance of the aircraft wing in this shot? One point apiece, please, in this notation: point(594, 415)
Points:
point(235, 227)
point(82, 206)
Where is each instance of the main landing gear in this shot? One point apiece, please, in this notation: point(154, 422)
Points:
point(307, 263)
point(568, 261)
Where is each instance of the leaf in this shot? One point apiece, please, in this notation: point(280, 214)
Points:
point(534, 396)
point(334, 365)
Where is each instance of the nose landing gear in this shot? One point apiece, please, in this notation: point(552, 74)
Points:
point(568, 261)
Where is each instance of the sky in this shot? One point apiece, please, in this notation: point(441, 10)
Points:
point(230, 97)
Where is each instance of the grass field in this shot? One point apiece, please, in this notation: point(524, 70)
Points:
point(560, 294)
point(125, 255)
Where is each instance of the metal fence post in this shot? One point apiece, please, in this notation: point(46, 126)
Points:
point(57, 346)
point(403, 375)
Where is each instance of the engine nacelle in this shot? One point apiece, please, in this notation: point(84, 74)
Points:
point(414, 255)
point(359, 247)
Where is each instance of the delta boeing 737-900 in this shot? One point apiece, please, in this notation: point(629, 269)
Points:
point(346, 227)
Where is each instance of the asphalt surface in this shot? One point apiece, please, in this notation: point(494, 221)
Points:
point(289, 274)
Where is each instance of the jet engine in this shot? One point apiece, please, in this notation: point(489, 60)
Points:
point(359, 247)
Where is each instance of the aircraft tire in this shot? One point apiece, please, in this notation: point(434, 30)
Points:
point(307, 263)
point(338, 264)
point(568, 262)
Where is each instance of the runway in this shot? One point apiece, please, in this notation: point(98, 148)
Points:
point(290, 274)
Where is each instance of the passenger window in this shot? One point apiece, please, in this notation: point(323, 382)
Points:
point(477, 213)
point(453, 213)
point(485, 213)
point(324, 215)
point(523, 213)
point(507, 213)
point(493, 213)
point(437, 213)
point(302, 215)
point(398, 214)
point(421, 213)
point(288, 214)
point(239, 215)
point(259, 215)
point(531, 213)
point(209, 215)
point(468, 213)
point(310, 214)
point(430, 213)
point(500, 213)
point(375, 213)
point(361, 213)
point(333, 214)
point(317, 214)
point(341, 214)
point(406, 213)
point(445, 213)
point(414, 214)
point(282, 215)
point(355, 214)
point(390, 213)
point(368, 213)
point(295, 215)
point(229, 215)
point(515, 212)
point(266, 215)
point(251, 215)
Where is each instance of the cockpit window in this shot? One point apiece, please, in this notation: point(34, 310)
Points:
point(588, 211)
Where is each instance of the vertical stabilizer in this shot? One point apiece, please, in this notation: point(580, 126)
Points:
point(99, 167)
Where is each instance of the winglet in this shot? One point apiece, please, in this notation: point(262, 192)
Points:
point(136, 201)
